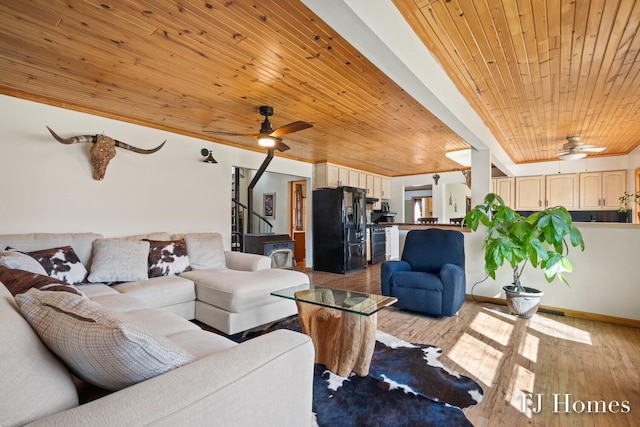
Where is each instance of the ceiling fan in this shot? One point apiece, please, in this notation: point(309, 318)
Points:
point(575, 149)
point(269, 137)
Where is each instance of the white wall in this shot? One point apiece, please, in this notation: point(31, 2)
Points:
point(603, 281)
point(278, 184)
point(48, 186)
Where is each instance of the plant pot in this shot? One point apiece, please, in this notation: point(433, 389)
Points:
point(523, 304)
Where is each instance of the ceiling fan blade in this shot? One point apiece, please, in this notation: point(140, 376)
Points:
point(281, 146)
point(290, 128)
point(592, 149)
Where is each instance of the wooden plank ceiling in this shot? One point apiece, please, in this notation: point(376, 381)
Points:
point(535, 75)
point(540, 71)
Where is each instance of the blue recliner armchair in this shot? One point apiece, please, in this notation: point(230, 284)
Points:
point(430, 278)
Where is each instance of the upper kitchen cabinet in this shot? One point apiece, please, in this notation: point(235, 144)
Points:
point(530, 193)
point(328, 175)
point(332, 176)
point(562, 190)
point(354, 180)
point(369, 188)
point(505, 188)
point(386, 188)
point(601, 190)
point(377, 187)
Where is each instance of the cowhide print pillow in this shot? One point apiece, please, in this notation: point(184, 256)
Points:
point(19, 281)
point(61, 263)
point(167, 257)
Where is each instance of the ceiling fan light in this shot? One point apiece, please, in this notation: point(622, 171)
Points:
point(266, 141)
point(572, 156)
point(462, 157)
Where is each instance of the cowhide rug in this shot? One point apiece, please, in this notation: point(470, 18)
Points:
point(407, 386)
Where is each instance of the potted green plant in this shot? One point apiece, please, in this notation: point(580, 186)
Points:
point(539, 239)
point(624, 202)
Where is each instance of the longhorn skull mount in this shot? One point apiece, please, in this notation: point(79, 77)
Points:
point(102, 150)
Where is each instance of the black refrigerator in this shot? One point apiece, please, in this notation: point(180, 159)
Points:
point(339, 230)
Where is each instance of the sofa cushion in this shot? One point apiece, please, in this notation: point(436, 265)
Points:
point(201, 343)
point(12, 258)
point(34, 381)
point(167, 257)
point(61, 263)
point(19, 281)
point(205, 250)
point(160, 292)
point(81, 243)
point(237, 291)
point(101, 346)
point(119, 260)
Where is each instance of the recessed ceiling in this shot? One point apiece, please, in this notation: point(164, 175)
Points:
point(534, 75)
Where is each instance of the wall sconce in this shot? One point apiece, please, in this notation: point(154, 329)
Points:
point(208, 156)
point(436, 178)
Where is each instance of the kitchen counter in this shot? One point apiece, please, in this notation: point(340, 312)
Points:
point(414, 226)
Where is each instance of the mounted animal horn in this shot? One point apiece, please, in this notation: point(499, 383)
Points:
point(102, 150)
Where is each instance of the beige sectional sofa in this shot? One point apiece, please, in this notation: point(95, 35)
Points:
point(263, 381)
point(232, 297)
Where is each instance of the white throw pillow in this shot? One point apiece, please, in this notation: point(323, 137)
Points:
point(18, 260)
point(205, 251)
point(119, 260)
point(101, 346)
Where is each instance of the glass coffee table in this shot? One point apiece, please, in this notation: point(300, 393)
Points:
point(342, 325)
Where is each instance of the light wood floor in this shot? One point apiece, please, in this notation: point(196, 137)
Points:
point(546, 355)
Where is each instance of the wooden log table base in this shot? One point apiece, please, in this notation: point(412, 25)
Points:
point(344, 341)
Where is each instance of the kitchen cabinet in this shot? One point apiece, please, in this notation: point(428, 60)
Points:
point(562, 190)
point(377, 191)
point(386, 188)
point(601, 190)
point(377, 187)
point(505, 188)
point(362, 183)
point(343, 177)
point(370, 185)
point(328, 175)
point(354, 180)
point(530, 192)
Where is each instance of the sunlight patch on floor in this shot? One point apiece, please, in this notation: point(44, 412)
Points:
point(559, 330)
point(529, 347)
point(520, 389)
point(477, 358)
point(500, 311)
point(492, 327)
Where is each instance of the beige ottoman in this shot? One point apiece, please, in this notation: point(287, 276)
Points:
point(233, 301)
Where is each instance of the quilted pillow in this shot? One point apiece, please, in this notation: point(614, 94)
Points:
point(19, 281)
point(119, 260)
point(205, 251)
point(101, 346)
point(15, 259)
point(167, 257)
point(61, 263)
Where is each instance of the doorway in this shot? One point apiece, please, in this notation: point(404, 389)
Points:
point(298, 218)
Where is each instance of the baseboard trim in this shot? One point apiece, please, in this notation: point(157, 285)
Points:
point(566, 312)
